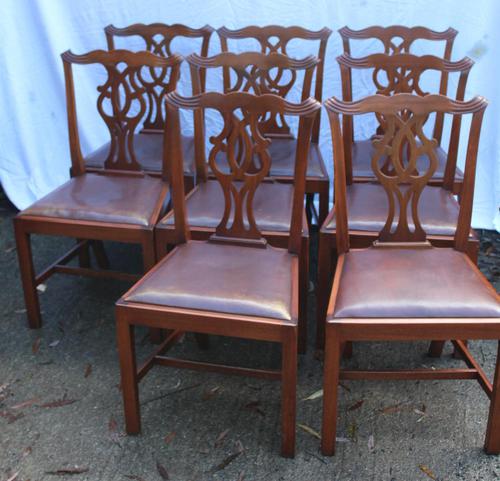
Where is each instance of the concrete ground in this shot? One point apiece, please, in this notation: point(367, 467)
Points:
point(61, 409)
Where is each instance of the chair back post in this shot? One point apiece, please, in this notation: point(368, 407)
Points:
point(264, 35)
point(77, 161)
point(347, 120)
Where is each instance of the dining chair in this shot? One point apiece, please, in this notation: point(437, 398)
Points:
point(274, 38)
point(396, 40)
point(159, 39)
point(118, 202)
point(259, 74)
point(439, 209)
point(403, 288)
point(235, 283)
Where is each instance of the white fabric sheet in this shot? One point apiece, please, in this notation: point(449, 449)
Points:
point(34, 153)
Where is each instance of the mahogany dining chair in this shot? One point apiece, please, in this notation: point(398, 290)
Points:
point(118, 202)
point(403, 288)
point(277, 39)
point(439, 210)
point(259, 74)
point(235, 283)
point(396, 40)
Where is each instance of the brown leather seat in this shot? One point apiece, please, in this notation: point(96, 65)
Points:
point(148, 150)
point(222, 278)
point(416, 283)
point(102, 198)
point(362, 152)
point(367, 208)
point(272, 206)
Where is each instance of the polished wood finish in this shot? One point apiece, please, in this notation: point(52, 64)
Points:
point(236, 230)
point(404, 115)
point(276, 39)
point(123, 69)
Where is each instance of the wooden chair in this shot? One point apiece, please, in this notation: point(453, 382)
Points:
point(403, 288)
point(116, 203)
point(234, 284)
point(252, 72)
point(276, 39)
point(157, 39)
point(396, 40)
point(439, 210)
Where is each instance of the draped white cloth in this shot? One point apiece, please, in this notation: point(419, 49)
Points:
point(34, 153)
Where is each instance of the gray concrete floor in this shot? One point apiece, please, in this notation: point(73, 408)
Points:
point(60, 405)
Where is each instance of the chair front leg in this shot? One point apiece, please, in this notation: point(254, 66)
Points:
point(303, 293)
point(492, 441)
point(330, 390)
point(288, 392)
point(128, 370)
point(28, 277)
point(323, 288)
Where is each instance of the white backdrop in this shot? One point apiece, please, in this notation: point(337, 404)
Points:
point(34, 153)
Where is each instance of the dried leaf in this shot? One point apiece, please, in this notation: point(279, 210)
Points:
point(54, 343)
point(25, 404)
point(314, 395)
point(10, 416)
point(20, 311)
point(309, 430)
point(352, 431)
point(36, 345)
point(112, 425)
point(427, 471)
point(225, 462)
point(68, 471)
point(241, 476)
point(210, 393)
point(356, 405)
point(58, 403)
point(27, 451)
point(162, 471)
point(41, 287)
point(371, 443)
point(239, 446)
point(254, 406)
point(14, 476)
point(169, 437)
point(220, 438)
point(10, 249)
point(88, 371)
point(392, 409)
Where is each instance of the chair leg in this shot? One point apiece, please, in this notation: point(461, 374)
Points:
point(100, 254)
point(149, 259)
point(84, 254)
point(324, 199)
point(303, 293)
point(347, 351)
point(128, 369)
point(322, 288)
point(27, 271)
point(288, 392)
point(330, 391)
point(309, 208)
point(436, 348)
point(202, 340)
point(492, 441)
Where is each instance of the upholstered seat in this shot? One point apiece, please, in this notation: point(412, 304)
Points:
point(103, 198)
point(367, 208)
point(362, 153)
point(272, 206)
point(148, 149)
point(413, 283)
point(222, 278)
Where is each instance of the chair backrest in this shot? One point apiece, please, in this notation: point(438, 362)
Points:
point(404, 117)
point(121, 102)
point(402, 73)
point(157, 39)
point(239, 140)
point(257, 73)
point(275, 39)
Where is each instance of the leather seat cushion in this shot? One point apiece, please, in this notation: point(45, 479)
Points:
point(416, 283)
point(103, 198)
point(148, 150)
point(272, 206)
point(221, 278)
point(367, 209)
point(362, 152)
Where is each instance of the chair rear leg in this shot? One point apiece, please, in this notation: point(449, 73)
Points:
point(128, 370)
point(28, 277)
point(492, 441)
point(309, 208)
point(84, 254)
point(436, 348)
point(288, 392)
point(330, 391)
point(100, 254)
point(324, 199)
